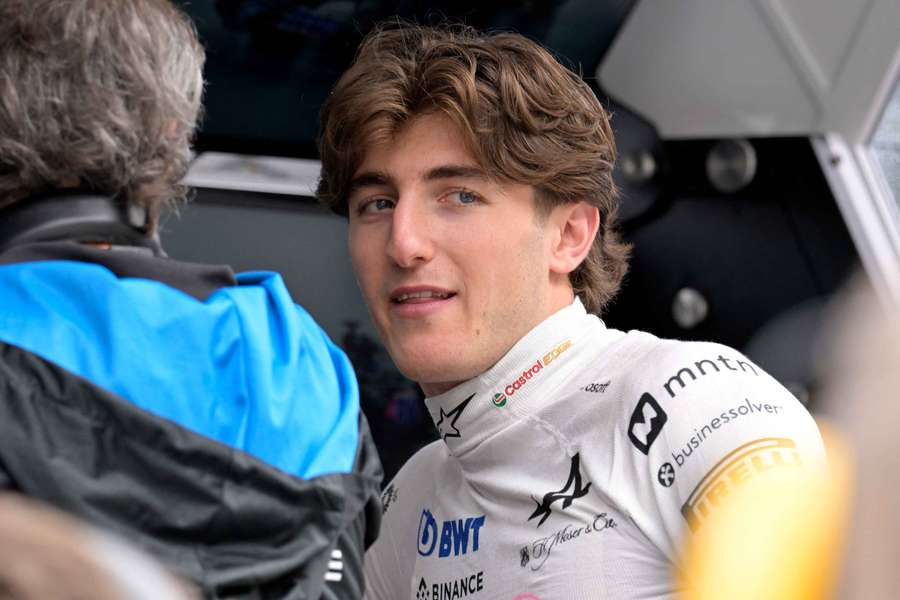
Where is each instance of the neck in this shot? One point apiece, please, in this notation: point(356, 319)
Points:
point(558, 299)
point(437, 388)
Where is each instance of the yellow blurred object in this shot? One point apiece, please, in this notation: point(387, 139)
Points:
point(778, 536)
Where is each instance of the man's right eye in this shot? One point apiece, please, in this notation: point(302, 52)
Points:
point(375, 205)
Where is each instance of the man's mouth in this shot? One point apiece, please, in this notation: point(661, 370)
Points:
point(420, 296)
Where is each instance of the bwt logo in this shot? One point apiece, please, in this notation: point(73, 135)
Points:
point(455, 535)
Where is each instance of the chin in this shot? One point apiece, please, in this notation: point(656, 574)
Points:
point(429, 367)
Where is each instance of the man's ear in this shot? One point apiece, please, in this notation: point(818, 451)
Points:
point(575, 226)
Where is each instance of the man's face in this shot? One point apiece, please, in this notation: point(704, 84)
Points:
point(453, 265)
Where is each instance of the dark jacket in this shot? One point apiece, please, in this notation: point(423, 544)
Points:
point(201, 415)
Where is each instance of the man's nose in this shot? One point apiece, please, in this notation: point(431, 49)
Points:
point(410, 243)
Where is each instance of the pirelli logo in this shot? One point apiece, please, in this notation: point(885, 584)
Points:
point(738, 467)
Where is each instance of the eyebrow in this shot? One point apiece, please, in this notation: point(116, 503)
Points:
point(369, 179)
point(379, 178)
point(455, 172)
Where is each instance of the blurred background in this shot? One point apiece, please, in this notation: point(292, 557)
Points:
point(759, 162)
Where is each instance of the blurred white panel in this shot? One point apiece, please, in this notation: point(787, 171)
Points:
point(824, 29)
point(268, 174)
point(705, 68)
point(697, 68)
point(863, 88)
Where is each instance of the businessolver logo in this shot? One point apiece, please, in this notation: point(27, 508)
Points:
point(646, 423)
point(738, 467)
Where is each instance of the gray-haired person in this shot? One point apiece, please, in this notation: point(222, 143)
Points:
point(200, 414)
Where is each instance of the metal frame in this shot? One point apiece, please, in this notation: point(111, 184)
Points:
point(869, 210)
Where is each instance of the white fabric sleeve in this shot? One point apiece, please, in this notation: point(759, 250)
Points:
point(706, 421)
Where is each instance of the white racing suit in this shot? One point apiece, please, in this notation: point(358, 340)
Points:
point(575, 467)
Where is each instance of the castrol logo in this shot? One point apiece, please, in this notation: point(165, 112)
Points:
point(500, 398)
point(554, 354)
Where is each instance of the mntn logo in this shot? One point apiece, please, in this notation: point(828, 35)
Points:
point(646, 423)
point(454, 537)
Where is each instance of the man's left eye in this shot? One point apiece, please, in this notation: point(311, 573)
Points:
point(465, 197)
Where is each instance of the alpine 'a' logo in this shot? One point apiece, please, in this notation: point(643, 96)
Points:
point(573, 483)
point(647, 422)
point(452, 431)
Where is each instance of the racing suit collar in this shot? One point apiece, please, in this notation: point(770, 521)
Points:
point(476, 409)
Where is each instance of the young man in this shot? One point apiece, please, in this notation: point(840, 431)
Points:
point(200, 414)
point(477, 175)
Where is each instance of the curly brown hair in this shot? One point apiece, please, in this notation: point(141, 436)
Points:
point(525, 118)
point(97, 94)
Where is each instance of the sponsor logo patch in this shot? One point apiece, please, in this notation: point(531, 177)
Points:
point(451, 589)
point(646, 423)
point(648, 417)
point(569, 492)
point(388, 497)
point(454, 537)
point(738, 467)
point(738, 411)
point(530, 373)
point(596, 388)
point(537, 552)
point(704, 368)
point(450, 430)
point(666, 475)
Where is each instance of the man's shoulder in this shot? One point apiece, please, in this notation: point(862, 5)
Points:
point(644, 355)
point(707, 373)
point(423, 466)
point(426, 458)
point(417, 476)
point(638, 373)
point(693, 389)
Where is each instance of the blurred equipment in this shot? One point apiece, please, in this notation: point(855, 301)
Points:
point(731, 165)
point(714, 265)
point(689, 308)
point(638, 168)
